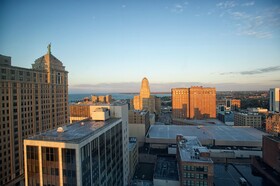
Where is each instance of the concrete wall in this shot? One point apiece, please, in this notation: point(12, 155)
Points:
point(138, 131)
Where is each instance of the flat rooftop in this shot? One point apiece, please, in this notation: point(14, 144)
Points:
point(76, 132)
point(166, 168)
point(190, 149)
point(207, 133)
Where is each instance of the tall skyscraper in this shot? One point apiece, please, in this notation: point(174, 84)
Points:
point(88, 152)
point(32, 101)
point(274, 99)
point(145, 100)
point(193, 103)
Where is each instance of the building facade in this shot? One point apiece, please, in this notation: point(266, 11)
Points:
point(133, 156)
point(274, 99)
point(139, 124)
point(145, 100)
point(89, 152)
point(32, 101)
point(195, 164)
point(273, 123)
point(193, 103)
point(247, 119)
point(271, 152)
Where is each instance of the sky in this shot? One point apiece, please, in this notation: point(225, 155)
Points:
point(110, 46)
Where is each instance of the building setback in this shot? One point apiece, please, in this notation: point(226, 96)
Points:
point(32, 101)
point(193, 103)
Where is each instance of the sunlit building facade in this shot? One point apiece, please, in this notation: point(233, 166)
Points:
point(32, 101)
point(193, 103)
point(274, 99)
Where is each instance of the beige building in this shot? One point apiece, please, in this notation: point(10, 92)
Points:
point(273, 123)
point(193, 103)
point(89, 152)
point(101, 99)
point(139, 124)
point(32, 101)
point(145, 100)
point(247, 119)
point(195, 164)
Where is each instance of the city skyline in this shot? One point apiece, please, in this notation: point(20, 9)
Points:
point(110, 46)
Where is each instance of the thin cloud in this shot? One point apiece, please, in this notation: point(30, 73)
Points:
point(253, 72)
point(252, 3)
point(178, 8)
point(226, 4)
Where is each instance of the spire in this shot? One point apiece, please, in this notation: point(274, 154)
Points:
point(49, 48)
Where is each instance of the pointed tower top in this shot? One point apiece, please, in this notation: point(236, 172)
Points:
point(49, 48)
point(145, 88)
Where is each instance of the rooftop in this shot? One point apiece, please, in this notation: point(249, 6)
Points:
point(166, 168)
point(204, 133)
point(190, 150)
point(76, 132)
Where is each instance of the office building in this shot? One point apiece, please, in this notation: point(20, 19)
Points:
point(133, 156)
point(274, 99)
point(193, 103)
point(247, 119)
point(273, 123)
point(146, 101)
point(89, 152)
point(139, 124)
point(32, 101)
point(195, 164)
point(101, 99)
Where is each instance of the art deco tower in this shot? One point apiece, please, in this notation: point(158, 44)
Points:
point(145, 100)
point(145, 89)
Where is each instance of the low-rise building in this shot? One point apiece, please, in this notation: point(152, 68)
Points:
point(247, 119)
point(195, 164)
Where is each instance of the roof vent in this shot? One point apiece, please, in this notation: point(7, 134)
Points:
point(61, 129)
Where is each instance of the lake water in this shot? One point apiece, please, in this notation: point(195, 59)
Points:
point(116, 96)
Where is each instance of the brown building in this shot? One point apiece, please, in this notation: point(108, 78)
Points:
point(271, 152)
point(101, 99)
point(195, 164)
point(273, 123)
point(235, 104)
point(193, 103)
point(32, 101)
point(145, 100)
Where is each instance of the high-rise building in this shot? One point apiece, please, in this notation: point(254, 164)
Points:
point(117, 109)
point(32, 101)
point(274, 99)
point(145, 100)
point(89, 152)
point(195, 165)
point(273, 123)
point(193, 103)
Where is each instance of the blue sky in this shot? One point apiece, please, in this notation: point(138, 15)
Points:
point(109, 46)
